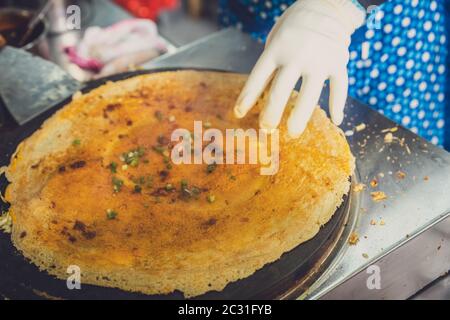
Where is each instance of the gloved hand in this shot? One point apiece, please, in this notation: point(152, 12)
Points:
point(310, 41)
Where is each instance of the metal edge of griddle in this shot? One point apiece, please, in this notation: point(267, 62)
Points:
point(337, 252)
point(333, 254)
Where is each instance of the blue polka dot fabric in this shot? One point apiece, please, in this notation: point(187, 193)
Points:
point(400, 68)
point(397, 66)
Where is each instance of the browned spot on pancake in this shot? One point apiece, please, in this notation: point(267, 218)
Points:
point(78, 164)
point(209, 223)
point(35, 166)
point(65, 232)
point(23, 234)
point(72, 239)
point(84, 230)
point(110, 108)
point(162, 140)
point(164, 174)
point(80, 226)
point(113, 106)
point(162, 192)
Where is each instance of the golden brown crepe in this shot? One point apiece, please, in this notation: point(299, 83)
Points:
point(191, 228)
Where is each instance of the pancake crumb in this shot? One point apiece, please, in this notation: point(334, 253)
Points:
point(361, 127)
point(374, 183)
point(391, 130)
point(359, 187)
point(378, 196)
point(401, 175)
point(5, 222)
point(354, 239)
point(389, 138)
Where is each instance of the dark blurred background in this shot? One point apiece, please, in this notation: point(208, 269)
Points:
point(179, 21)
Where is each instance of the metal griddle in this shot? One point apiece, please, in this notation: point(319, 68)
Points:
point(289, 276)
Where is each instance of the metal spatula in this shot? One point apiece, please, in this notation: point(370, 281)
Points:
point(30, 85)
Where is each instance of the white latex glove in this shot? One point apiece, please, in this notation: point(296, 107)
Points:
point(310, 41)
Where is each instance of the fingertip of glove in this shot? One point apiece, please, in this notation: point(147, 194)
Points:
point(295, 135)
point(267, 126)
point(295, 131)
point(238, 112)
point(338, 119)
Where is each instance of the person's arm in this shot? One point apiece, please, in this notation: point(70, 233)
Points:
point(310, 41)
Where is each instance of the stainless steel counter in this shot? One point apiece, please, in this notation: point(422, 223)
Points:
point(406, 238)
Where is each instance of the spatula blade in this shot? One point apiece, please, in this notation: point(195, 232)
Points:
point(30, 85)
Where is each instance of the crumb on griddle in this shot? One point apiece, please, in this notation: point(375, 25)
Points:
point(5, 222)
point(361, 127)
point(391, 130)
point(374, 183)
point(401, 175)
point(359, 187)
point(389, 138)
point(354, 239)
point(378, 196)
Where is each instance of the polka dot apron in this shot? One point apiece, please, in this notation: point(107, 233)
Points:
point(397, 61)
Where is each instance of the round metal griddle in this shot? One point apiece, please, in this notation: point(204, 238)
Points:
point(285, 278)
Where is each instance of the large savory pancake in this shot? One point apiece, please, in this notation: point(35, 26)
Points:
point(95, 187)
